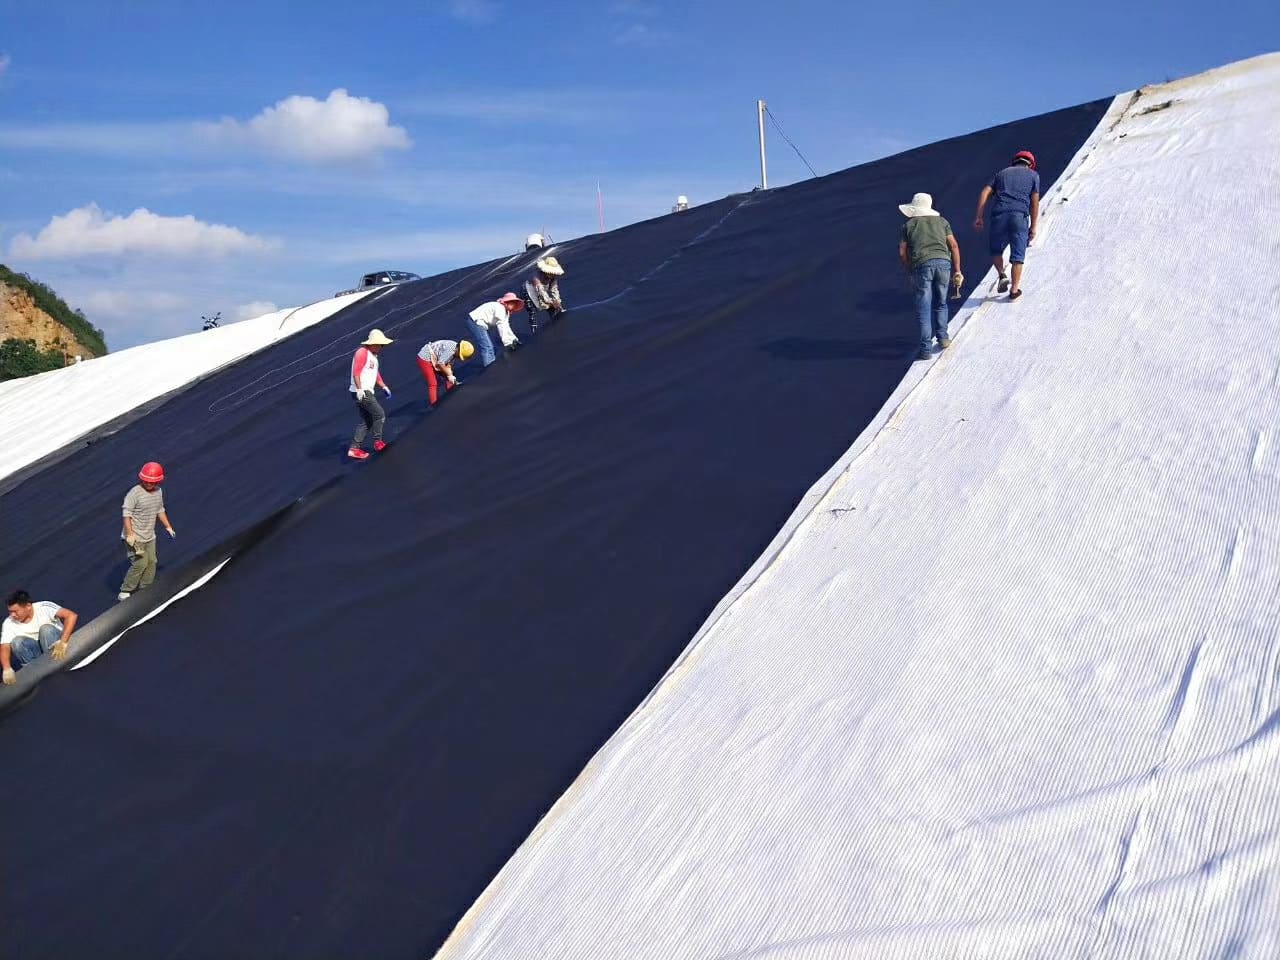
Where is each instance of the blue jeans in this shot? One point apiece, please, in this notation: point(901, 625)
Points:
point(27, 649)
point(1012, 229)
point(931, 280)
point(483, 341)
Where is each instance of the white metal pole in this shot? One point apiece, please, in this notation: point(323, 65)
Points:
point(764, 173)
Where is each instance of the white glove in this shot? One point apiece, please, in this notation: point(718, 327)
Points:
point(386, 391)
point(10, 678)
point(359, 396)
point(453, 380)
point(172, 535)
point(59, 650)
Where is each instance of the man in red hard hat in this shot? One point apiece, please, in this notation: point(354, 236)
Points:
point(1014, 215)
point(143, 505)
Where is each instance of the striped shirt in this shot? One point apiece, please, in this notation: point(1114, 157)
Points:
point(439, 352)
point(142, 507)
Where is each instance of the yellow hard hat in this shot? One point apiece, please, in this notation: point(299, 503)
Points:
point(465, 350)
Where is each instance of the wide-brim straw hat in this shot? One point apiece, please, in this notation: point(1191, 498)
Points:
point(550, 265)
point(376, 338)
point(921, 205)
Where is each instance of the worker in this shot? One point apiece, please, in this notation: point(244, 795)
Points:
point(1014, 215)
point(542, 291)
point(535, 241)
point(364, 377)
point(32, 630)
point(930, 254)
point(495, 313)
point(439, 356)
point(143, 505)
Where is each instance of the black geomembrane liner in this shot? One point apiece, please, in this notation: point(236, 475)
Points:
point(331, 748)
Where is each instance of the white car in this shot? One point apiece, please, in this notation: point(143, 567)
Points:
point(380, 278)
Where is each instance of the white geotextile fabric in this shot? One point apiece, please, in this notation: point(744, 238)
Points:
point(40, 414)
point(1009, 685)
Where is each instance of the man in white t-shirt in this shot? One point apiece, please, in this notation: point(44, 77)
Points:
point(32, 630)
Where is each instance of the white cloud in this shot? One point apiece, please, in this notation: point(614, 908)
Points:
point(340, 128)
point(121, 139)
point(634, 8)
point(473, 11)
point(630, 28)
point(130, 304)
point(407, 251)
point(247, 311)
point(87, 232)
point(640, 35)
point(559, 106)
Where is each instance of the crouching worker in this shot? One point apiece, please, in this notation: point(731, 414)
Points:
point(494, 314)
point(542, 291)
point(143, 505)
point(438, 357)
point(931, 256)
point(32, 630)
point(364, 377)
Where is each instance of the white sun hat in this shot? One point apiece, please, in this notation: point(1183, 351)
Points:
point(376, 338)
point(921, 205)
point(551, 266)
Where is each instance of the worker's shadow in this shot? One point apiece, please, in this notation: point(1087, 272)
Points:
point(335, 445)
point(825, 348)
point(891, 299)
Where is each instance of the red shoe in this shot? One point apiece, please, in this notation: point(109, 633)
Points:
point(379, 445)
point(355, 453)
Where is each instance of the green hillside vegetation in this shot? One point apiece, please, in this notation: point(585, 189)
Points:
point(52, 304)
point(21, 358)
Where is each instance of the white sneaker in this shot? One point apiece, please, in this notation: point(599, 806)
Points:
point(123, 596)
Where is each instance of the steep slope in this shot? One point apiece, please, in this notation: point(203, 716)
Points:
point(1007, 688)
point(78, 404)
point(332, 746)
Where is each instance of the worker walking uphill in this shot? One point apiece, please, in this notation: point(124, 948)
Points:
point(1014, 215)
point(364, 377)
point(494, 314)
point(542, 291)
point(930, 254)
point(143, 505)
point(438, 357)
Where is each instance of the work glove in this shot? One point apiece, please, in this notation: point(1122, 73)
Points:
point(513, 345)
point(131, 540)
point(387, 392)
point(172, 534)
point(359, 396)
point(453, 381)
point(59, 650)
point(10, 678)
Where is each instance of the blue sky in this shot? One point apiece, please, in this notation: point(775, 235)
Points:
point(160, 160)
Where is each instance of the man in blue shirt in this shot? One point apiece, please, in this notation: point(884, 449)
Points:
point(1015, 212)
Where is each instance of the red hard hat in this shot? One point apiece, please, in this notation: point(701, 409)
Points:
point(1026, 155)
point(151, 472)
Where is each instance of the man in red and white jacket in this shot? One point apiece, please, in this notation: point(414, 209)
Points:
point(364, 377)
